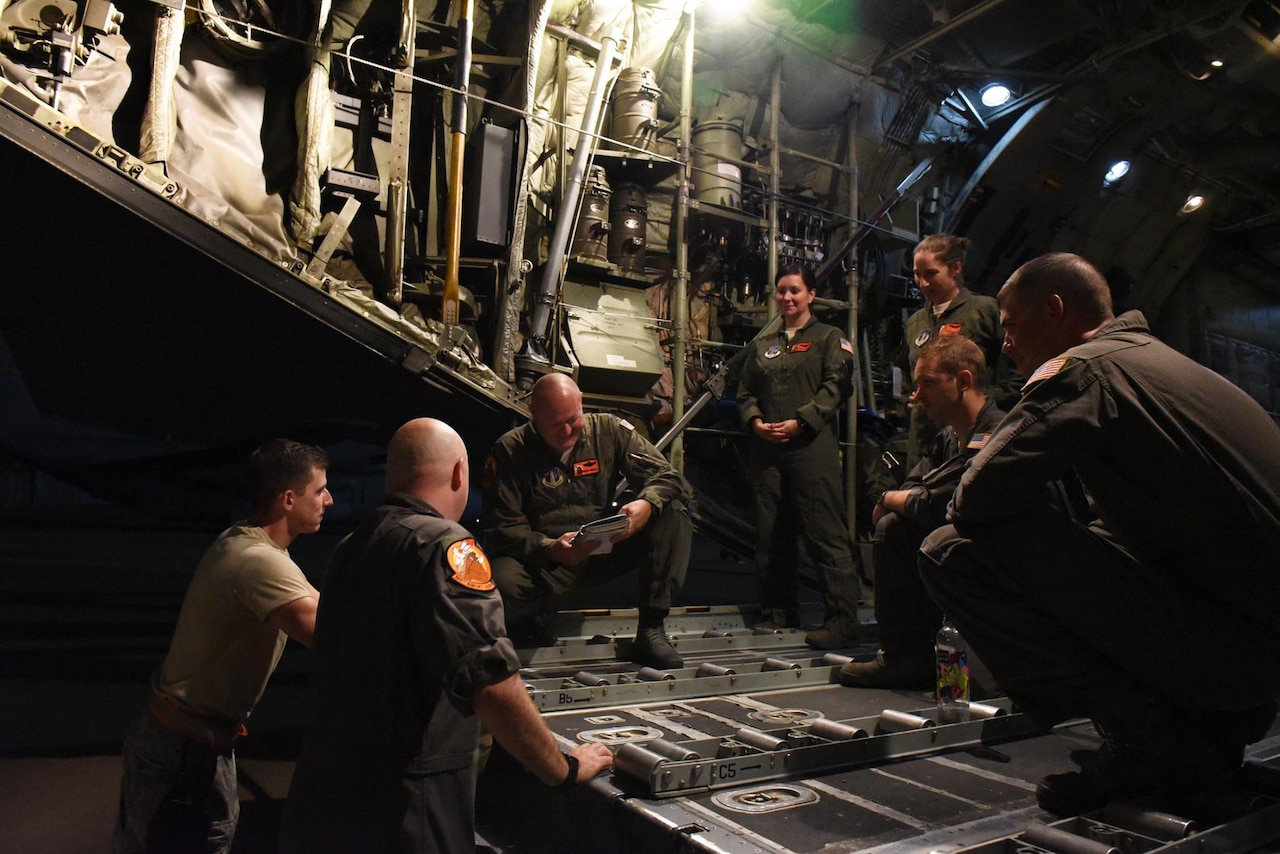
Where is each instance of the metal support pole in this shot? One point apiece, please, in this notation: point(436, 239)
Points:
point(534, 353)
point(453, 244)
point(680, 222)
point(851, 422)
point(398, 166)
point(775, 180)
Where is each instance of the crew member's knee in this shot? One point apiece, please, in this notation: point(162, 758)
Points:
point(521, 597)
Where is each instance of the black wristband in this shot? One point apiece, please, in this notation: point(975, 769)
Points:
point(570, 779)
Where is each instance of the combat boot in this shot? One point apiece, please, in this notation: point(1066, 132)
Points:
point(1162, 750)
point(652, 648)
point(838, 633)
point(897, 670)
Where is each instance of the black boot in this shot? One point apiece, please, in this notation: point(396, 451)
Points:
point(652, 647)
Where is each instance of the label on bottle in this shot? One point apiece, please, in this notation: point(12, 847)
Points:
point(953, 676)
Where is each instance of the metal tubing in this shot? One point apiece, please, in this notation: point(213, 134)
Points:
point(1161, 825)
point(780, 664)
point(540, 323)
point(851, 414)
point(760, 740)
point(637, 761)
point(589, 679)
point(1064, 842)
point(775, 181)
point(982, 710)
point(835, 730)
point(652, 674)
point(453, 243)
point(708, 668)
point(670, 750)
point(680, 223)
point(895, 721)
point(398, 167)
point(835, 659)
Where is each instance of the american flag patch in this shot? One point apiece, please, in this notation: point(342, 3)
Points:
point(845, 345)
point(1046, 370)
point(979, 441)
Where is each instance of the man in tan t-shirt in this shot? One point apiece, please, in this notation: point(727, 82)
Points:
point(247, 596)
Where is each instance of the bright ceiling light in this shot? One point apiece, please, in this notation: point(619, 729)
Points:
point(1217, 63)
point(995, 95)
point(1194, 202)
point(1117, 171)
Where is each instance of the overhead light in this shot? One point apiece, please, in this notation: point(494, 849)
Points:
point(1194, 202)
point(994, 95)
point(1117, 171)
point(1216, 63)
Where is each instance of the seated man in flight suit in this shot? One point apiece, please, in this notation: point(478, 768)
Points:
point(1159, 619)
point(546, 479)
point(949, 387)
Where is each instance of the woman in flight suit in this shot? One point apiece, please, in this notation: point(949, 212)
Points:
point(792, 383)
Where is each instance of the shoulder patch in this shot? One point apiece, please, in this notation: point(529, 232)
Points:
point(922, 337)
point(470, 565)
point(978, 442)
point(845, 345)
point(1048, 369)
point(624, 423)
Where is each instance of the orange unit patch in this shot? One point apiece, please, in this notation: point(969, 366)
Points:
point(801, 347)
point(586, 467)
point(949, 329)
point(470, 565)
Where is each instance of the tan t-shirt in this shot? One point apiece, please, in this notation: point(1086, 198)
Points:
point(224, 650)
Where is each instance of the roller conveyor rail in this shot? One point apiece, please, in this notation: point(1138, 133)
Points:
point(664, 769)
point(587, 688)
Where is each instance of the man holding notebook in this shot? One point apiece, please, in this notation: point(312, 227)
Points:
point(545, 480)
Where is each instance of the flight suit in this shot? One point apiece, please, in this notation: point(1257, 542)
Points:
point(531, 498)
point(409, 627)
point(798, 485)
point(977, 318)
point(906, 614)
point(1170, 598)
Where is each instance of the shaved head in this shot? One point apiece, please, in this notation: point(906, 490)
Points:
point(556, 409)
point(427, 458)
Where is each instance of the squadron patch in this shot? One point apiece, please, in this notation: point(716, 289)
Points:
point(845, 345)
point(949, 329)
point(979, 441)
point(470, 565)
point(586, 467)
point(801, 347)
point(923, 337)
point(1048, 369)
point(773, 352)
point(552, 478)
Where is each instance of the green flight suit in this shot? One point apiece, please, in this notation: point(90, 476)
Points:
point(799, 492)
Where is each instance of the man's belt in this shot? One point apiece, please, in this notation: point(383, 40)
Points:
point(218, 736)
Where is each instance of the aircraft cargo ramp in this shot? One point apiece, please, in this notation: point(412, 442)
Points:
point(753, 746)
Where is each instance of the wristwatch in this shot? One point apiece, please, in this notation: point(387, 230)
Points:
point(571, 779)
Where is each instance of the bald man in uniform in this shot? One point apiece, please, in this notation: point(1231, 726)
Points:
point(410, 659)
point(1159, 619)
point(544, 480)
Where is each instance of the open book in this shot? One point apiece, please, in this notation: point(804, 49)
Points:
point(600, 533)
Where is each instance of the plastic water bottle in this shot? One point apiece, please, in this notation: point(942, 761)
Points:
point(952, 656)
